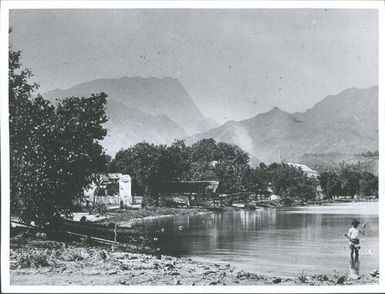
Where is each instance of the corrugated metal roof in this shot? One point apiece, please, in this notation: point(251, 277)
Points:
point(188, 186)
point(304, 167)
point(110, 176)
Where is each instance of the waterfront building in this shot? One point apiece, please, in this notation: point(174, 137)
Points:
point(112, 189)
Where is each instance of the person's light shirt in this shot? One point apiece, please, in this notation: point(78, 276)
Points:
point(353, 234)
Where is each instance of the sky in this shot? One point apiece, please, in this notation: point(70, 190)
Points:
point(234, 63)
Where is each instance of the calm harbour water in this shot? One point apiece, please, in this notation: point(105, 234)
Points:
point(281, 241)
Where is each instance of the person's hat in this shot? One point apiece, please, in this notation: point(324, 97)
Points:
point(355, 221)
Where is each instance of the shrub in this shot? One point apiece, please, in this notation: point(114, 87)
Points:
point(287, 201)
point(99, 208)
point(302, 277)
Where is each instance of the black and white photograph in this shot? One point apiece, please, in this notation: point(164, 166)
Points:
point(205, 146)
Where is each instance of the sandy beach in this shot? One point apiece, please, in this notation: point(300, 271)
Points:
point(36, 261)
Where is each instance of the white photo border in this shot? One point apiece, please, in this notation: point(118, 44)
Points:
point(7, 5)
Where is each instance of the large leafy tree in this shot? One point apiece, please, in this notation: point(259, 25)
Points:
point(330, 184)
point(368, 184)
point(150, 164)
point(174, 162)
point(257, 180)
point(289, 181)
point(231, 168)
point(204, 157)
point(348, 180)
point(226, 163)
point(22, 128)
point(141, 163)
point(54, 150)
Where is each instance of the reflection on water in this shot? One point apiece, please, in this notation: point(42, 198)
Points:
point(276, 241)
point(354, 269)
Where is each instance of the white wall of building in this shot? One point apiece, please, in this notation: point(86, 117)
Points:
point(125, 190)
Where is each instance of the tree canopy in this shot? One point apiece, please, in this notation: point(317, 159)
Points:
point(206, 160)
point(149, 164)
point(348, 180)
point(54, 150)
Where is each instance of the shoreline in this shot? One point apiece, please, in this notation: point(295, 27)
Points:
point(36, 261)
point(39, 261)
point(132, 216)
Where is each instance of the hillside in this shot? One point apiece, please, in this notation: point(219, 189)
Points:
point(346, 123)
point(165, 96)
point(128, 126)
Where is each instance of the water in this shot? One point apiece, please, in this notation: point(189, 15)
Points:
point(283, 241)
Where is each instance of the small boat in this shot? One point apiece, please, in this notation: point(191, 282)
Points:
point(238, 205)
point(343, 200)
point(217, 208)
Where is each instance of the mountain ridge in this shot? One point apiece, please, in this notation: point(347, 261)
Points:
point(142, 126)
point(159, 110)
point(346, 122)
point(152, 95)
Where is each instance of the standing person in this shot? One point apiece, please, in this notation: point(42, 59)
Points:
point(354, 241)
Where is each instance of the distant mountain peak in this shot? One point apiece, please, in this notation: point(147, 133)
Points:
point(155, 109)
point(354, 90)
point(276, 110)
point(274, 113)
point(149, 78)
point(344, 123)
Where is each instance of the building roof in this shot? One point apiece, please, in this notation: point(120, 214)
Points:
point(114, 177)
point(304, 167)
point(188, 186)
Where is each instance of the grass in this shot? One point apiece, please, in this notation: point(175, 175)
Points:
point(35, 258)
point(39, 257)
point(301, 276)
point(30, 252)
